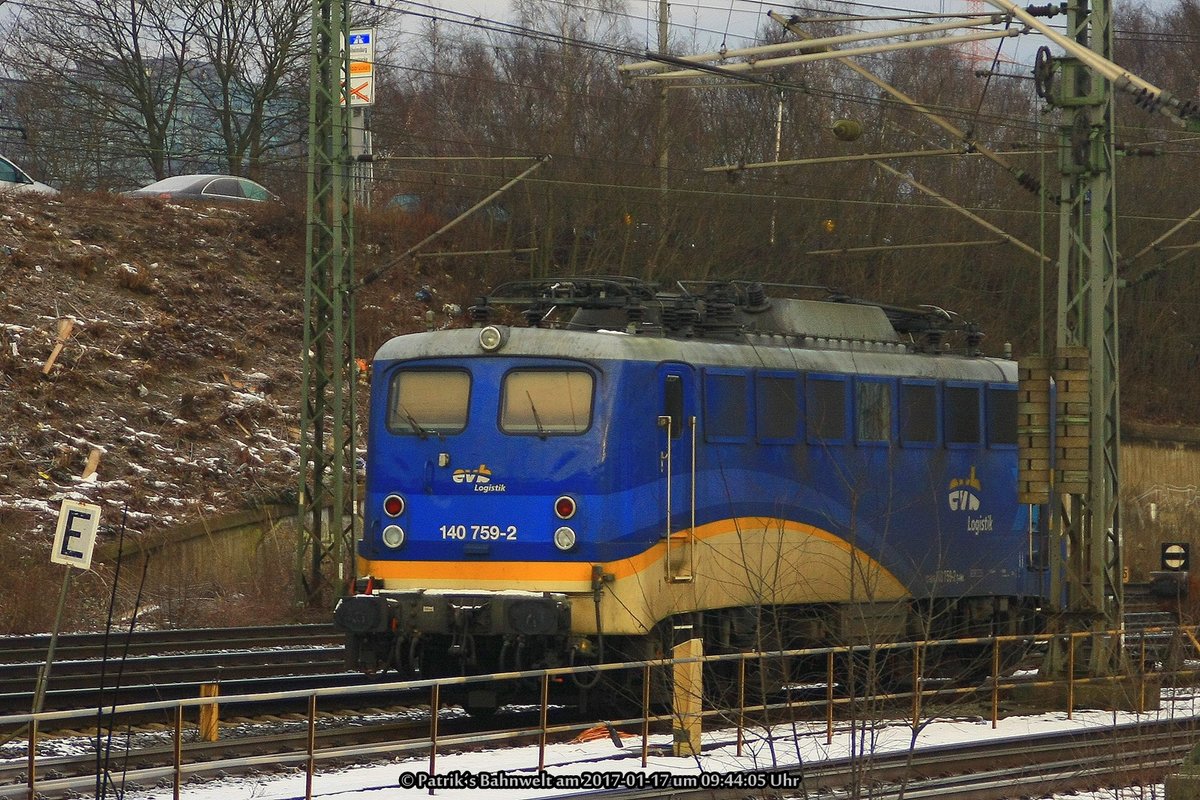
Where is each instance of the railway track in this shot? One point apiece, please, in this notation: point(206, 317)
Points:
point(77, 646)
point(146, 756)
point(170, 664)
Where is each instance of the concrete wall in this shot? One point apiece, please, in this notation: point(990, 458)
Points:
point(251, 554)
point(1160, 494)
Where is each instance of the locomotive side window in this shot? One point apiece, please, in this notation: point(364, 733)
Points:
point(826, 398)
point(429, 401)
point(726, 406)
point(962, 414)
point(1002, 415)
point(546, 401)
point(873, 410)
point(777, 406)
point(918, 413)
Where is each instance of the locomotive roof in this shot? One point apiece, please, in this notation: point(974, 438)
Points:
point(762, 351)
point(719, 323)
point(721, 310)
point(810, 318)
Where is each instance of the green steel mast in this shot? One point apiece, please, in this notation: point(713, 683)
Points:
point(1087, 340)
point(1086, 592)
point(327, 488)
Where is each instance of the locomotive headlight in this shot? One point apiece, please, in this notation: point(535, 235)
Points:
point(491, 338)
point(393, 536)
point(393, 505)
point(564, 538)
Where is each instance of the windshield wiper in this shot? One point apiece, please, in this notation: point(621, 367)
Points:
point(536, 419)
point(416, 426)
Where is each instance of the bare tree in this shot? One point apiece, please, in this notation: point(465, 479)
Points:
point(252, 75)
point(117, 69)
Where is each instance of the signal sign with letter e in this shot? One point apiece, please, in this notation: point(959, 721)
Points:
point(1175, 556)
point(76, 534)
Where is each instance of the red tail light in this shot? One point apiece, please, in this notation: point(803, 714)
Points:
point(393, 505)
point(565, 507)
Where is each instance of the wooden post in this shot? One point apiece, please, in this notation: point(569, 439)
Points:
point(65, 327)
point(93, 461)
point(688, 698)
point(209, 713)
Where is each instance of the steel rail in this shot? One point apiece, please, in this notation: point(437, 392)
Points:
point(92, 645)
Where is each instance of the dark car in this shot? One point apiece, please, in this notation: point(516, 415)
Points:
point(224, 188)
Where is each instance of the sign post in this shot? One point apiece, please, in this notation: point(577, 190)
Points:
point(359, 91)
point(74, 540)
point(359, 88)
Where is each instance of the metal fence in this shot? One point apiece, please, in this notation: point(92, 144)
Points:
point(1145, 650)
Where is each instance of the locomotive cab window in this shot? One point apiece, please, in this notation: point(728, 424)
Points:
point(545, 401)
point(962, 414)
point(1002, 415)
point(429, 401)
point(918, 413)
point(873, 411)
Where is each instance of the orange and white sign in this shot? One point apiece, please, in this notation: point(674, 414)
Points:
point(360, 48)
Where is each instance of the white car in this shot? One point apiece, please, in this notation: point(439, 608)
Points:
point(15, 179)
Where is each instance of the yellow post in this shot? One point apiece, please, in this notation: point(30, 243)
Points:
point(689, 694)
point(209, 713)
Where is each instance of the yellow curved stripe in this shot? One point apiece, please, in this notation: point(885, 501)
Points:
point(739, 562)
point(468, 570)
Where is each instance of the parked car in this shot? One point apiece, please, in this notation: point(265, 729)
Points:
point(15, 179)
point(224, 188)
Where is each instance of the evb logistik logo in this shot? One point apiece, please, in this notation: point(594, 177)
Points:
point(965, 495)
point(480, 478)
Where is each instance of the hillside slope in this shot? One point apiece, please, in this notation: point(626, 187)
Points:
point(182, 370)
point(181, 367)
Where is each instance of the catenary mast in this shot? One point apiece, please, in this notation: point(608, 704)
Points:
point(327, 425)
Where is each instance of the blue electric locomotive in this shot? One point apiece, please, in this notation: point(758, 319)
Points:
point(571, 490)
